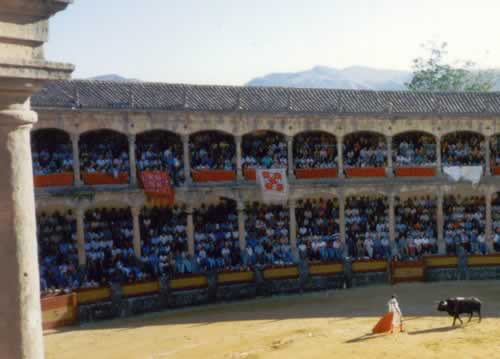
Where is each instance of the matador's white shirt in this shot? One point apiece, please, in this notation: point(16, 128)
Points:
point(393, 306)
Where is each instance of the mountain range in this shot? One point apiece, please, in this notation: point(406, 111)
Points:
point(353, 77)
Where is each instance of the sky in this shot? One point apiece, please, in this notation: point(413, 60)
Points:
point(229, 42)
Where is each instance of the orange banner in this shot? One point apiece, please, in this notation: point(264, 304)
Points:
point(416, 172)
point(250, 174)
point(55, 179)
point(311, 173)
point(213, 175)
point(365, 172)
point(104, 178)
point(59, 311)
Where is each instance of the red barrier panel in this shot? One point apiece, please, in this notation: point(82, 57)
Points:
point(59, 311)
point(213, 175)
point(250, 174)
point(416, 172)
point(365, 172)
point(55, 179)
point(104, 178)
point(495, 171)
point(311, 173)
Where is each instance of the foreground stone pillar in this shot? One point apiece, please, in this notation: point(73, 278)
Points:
point(23, 70)
point(340, 157)
point(190, 230)
point(80, 236)
point(239, 162)
point(20, 319)
point(440, 225)
point(241, 226)
point(186, 156)
point(75, 138)
point(132, 161)
point(136, 211)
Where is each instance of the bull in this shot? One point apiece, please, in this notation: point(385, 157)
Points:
point(459, 305)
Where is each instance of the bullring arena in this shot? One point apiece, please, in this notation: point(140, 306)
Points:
point(151, 224)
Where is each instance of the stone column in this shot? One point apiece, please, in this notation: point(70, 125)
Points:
point(342, 217)
point(239, 162)
point(187, 156)
point(241, 225)
point(390, 170)
point(23, 71)
point(80, 236)
point(487, 156)
point(340, 156)
point(440, 224)
point(136, 211)
point(489, 222)
point(293, 225)
point(132, 161)
point(190, 230)
point(75, 138)
point(392, 218)
point(291, 174)
point(20, 319)
point(439, 169)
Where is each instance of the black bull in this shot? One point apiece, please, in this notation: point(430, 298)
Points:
point(457, 306)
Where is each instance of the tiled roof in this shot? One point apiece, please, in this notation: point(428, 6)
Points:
point(96, 95)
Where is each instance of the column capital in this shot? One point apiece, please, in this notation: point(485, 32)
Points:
point(292, 203)
point(135, 210)
point(240, 206)
point(131, 138)
point(75, 137)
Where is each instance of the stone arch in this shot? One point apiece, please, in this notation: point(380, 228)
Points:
point(300, 151)
point(199, 140)
point(52, 154)
point(426, 145)
point(255, 145)
point(475, 141)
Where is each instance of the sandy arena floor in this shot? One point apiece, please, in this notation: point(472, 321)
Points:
point(316, 325)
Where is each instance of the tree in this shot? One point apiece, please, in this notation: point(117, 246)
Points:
point(434, 74)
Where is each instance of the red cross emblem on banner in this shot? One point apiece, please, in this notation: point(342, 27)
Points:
point(273, 181)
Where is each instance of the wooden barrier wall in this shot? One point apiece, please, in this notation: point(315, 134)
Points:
point(93, 295)
point(415, 172)
point(59, 311)
point(235, 277)
point(104, 178)
point(137, 289)
point(189, 282)
point(408, 271)
point(364, 266)
point(313, 173)
point(282, 272)
point(213, 175)
point(365, 172)
point(325, 269)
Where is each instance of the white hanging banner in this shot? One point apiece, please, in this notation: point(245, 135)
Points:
point(467, 173)
point(273, 184)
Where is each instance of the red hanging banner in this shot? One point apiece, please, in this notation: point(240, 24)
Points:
point(158, 187)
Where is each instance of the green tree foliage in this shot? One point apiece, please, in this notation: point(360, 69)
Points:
point(434, 74)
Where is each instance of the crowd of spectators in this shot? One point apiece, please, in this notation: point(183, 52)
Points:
point(109, 247)
point(216, 237)
point(267, 235)
point(264, 150)
point(367, 227)
point(51, 152)
point(212, 151)
point(365, 150)
point(416, 228)
point(315, 150)
point(104, 152)
point(160, 151)
point(318, 236)
point(414, 149)
point(462, 149)
point(164, 241)
point(57, 252)
point(464, 224)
